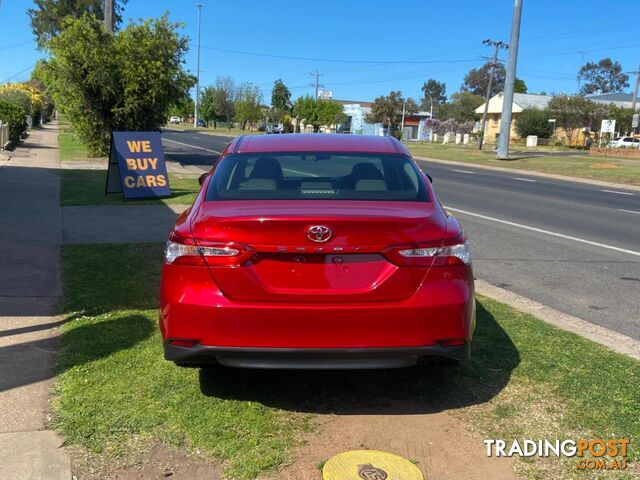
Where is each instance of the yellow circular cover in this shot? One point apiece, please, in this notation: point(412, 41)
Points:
point(370, 465)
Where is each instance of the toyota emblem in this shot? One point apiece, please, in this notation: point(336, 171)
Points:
point(319, 233)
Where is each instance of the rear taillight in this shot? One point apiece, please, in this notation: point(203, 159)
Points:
point(186, 251)
point(454, 251)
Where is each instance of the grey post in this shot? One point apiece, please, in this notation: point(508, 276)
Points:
point(195, 113)
point(494, 63)
point(108, 15)
point(507, 105)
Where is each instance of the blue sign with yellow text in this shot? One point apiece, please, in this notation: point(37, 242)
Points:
point(136, 165)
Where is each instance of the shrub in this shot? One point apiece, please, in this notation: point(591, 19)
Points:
point(15, 117)
point(532, 121)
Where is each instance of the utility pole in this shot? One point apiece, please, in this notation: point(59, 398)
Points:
point(509, 83)
point(404, 108)
point(316, 74)
point(108, 15)
point(494, 62)
point(634, 99)
point(195, 113)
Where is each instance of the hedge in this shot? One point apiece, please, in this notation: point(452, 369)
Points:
point(15, 117)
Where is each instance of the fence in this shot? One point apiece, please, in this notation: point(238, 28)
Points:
point(4, 135)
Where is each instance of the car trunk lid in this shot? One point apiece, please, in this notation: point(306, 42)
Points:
point(288, 265)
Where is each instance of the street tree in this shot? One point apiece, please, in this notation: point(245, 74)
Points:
point(571, 113)
point(316, 112)
point(248, 108)
point(533, 121)
point(388, 111)
point(434, 92)
point(476, 80)
point(208, 105)
point(606, 76)
point(461, 108)
point(519, 86)
point(183, 107)
point(48, 17)
point(281, 97)
point(126, 81)
point(226, 94)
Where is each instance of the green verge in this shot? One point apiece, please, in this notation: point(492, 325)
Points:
point(71, 148)
point(86, 187)
point(609, 169)
point(526, 379)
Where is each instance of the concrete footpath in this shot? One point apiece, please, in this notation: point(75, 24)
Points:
point(30, 287)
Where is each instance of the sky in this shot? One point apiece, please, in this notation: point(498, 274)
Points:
point(365, 49)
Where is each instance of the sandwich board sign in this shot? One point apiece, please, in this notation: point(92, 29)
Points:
point(136, 166)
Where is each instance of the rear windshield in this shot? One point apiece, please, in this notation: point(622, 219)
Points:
point(313, 176)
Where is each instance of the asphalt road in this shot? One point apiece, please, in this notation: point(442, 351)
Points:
point(574, 247)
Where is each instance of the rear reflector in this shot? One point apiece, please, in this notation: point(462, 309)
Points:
point(452, 342)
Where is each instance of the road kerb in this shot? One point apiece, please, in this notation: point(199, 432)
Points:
point(533, 173)
point(604, 336)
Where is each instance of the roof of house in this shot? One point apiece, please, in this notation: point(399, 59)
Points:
point(611, 97)
point(315, 142)
point(531, 100)
point(353, 102)
point(520, 102)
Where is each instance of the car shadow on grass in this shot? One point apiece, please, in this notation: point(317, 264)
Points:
point(434, 387)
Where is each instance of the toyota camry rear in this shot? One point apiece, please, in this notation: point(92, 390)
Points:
point(316, 251)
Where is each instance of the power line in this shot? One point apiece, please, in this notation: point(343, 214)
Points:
point(333, 60)
point(3, 47)
point(20, 72)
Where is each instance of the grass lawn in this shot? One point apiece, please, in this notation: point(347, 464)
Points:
point(526, 379)
point(86, 187)
point(71, 148)
point(609, 169)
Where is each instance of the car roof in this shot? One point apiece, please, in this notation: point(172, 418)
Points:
point(316, 142)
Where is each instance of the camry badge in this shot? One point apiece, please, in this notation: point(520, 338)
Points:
point(319, 233)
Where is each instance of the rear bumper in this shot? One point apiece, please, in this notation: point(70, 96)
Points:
point(313, 358)
point(440, 312)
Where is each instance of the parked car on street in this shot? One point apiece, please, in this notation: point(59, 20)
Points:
point(274, 128)
point(201, 123)
point(316, 251)
point(174, 119)
point(624, 142)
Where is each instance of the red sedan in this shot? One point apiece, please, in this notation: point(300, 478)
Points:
point(316, 251)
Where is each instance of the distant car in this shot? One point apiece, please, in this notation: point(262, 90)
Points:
point(174, 119)
point(316, 251)
point(201, 123)
point(274, 128)
point(625, 142)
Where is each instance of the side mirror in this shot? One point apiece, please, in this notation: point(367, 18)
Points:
point(202, 178)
